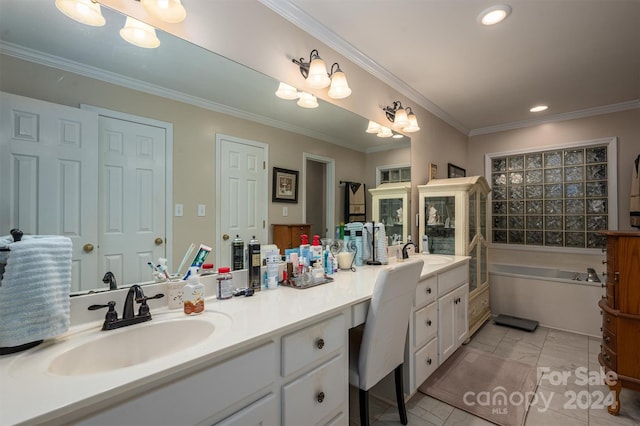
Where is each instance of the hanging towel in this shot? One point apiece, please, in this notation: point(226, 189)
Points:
point(634, 205)
point(35, 287)
point(354, 204)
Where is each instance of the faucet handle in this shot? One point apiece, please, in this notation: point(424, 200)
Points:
point(111, 315)
point(144, 308)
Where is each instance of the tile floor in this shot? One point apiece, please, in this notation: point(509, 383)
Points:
point(560, 351)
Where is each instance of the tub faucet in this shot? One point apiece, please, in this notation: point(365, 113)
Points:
point(405, 252)
point(592, 276)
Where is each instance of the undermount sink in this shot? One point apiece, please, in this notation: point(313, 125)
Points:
point(436, 259)
point(137, 344)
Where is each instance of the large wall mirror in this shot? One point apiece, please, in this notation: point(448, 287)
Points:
point(46, 56)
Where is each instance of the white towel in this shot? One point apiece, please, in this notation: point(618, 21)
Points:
point(34, 291)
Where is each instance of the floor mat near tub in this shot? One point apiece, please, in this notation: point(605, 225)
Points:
point(497, 389)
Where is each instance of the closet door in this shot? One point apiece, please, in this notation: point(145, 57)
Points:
point(48, 176)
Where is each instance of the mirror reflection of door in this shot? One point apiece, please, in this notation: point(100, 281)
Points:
point(241, 194)
point(315, 174)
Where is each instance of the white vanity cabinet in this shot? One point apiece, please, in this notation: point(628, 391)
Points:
point(315, 373)
point(391, 206)
point(453, 215)
point(438, 323)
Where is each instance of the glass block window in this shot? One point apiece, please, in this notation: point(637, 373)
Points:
point(555, 198)
point(395, 174)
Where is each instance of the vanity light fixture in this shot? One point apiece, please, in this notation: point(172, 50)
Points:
point(402, 119)
point(315, 72)
point(307, 100)
point(139, 34)
point(84, 11)
point(170, 11)
point(287, 92)
point(373, 127)
point(494, 14)
point(384, 132)
point(538, 108)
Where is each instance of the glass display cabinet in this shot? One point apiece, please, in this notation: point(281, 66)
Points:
point(453, 216)
point(392, 206)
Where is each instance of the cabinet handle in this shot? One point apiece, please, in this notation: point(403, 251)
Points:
point(606, 357)
point(604, 262)
point(601, 314)
point(608, 319)
point(607, 339)
point(428, 361)
point(615, 276)
point(320, 343)
point(604, 249)
point(320, 397)
point(428, 323)
point(604, 296)
point(603, 285)
point(428, 290)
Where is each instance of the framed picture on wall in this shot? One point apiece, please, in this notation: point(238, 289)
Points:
point(285, 186)
point(455, 171)
point(433, 171)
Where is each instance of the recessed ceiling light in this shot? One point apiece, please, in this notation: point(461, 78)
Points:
point(494, 14)
point(538, 108)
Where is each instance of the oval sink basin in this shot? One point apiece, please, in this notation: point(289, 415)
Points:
point(436, 259)
point(133, 345)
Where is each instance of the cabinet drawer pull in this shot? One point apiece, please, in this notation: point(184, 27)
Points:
point(428, 361)
point(428, 290)
point(320, 343)
point(428, 322)
point(320, 397)
point(615, 276)
point(607, 339)
point(608, 319)
point(606, 357)
point(604, 262)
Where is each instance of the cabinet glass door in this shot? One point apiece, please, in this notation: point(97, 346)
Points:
point(439, 216)
point(391, 215)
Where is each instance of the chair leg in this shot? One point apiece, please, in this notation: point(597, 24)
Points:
point(402, 409)
point(364, 407)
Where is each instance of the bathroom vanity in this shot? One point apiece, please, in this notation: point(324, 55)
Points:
point(278, 357)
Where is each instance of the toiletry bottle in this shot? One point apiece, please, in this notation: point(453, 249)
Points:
point(316, 249)
point(305, 248)
point(254, 264)
point(237, 253)
point(359, 248)
point(193, 293)
point(224, 289)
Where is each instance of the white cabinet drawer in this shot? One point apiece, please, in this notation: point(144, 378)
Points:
point(425, 326)
point(425, 361)
point(315, 395)
point(449, 280)
point(312, 343)
point(426, 291)
point(262, 412)
point(195, 398)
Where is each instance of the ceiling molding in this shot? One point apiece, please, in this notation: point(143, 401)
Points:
point(45, 59)
point(390, 146)
point(589, 112)
point(292, 13)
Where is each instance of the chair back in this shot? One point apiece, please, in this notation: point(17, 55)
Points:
point(385, 330)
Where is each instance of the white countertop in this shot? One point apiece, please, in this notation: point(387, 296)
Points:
point(29, 393)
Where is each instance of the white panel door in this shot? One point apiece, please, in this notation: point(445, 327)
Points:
point(132, 198)
point(48, 176)
point(241, 174)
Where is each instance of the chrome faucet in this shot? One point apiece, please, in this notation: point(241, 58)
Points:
point(592, 276)
point(136, 294)
point(405, 253)
point(110, 279)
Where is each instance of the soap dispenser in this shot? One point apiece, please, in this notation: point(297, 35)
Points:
point(193, 293)
point(305, 249)
point(316, 249)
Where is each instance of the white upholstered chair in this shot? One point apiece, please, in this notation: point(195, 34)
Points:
point(377, 347)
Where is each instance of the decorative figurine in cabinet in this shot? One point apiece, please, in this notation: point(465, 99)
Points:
point(453, 217)
point(392, 207)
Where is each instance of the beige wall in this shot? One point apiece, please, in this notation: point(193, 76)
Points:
point(623, 125)
point(194, 141)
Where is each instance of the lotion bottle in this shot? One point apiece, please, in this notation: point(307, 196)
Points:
point(193, 293)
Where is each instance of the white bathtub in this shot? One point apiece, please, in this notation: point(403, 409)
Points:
point(555, 298)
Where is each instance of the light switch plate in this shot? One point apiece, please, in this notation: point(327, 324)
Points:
point(201, 210)
point(285, 211)
point(178, 210)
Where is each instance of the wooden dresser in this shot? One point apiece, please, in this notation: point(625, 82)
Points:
point(288, 236)
point(620, 308)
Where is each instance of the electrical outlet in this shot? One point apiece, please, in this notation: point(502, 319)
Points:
point(285, 211)
point(201, 210)
point(178, 210)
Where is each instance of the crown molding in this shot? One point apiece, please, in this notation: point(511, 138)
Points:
point(589, 112)
point(45, 59)
point(292, 13)
point(389, 147)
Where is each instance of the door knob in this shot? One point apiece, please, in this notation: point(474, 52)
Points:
point(158, 241)
point(225, 237)
point(88, 248)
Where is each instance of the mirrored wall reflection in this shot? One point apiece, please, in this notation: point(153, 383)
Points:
point(37, 43)
point(556, 198)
